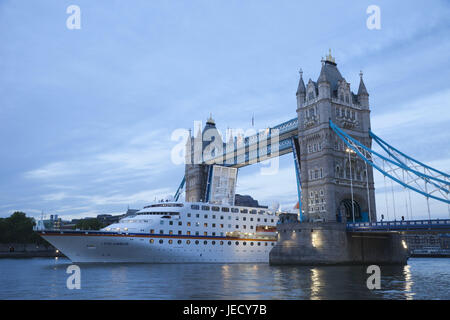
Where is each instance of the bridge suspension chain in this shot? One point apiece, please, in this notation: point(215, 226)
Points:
point(417, 182)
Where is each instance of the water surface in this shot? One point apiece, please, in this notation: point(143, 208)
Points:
point(45, 278)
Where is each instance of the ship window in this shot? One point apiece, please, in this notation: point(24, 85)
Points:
point(161, 241)
point(213, 225)
point(221, 225)
point(237, 226)
point(171, 223)
point(258, 220)
point(161, 222)
point(206, 216)
point(251, 227)
point(244, 211)
point(196, 242)
point(188, 241)
point(244, 218)
point(195, 207)
point(152, 230)
point(197, 215)
point(221, 217)
point(215, 208)
point(213, 242)
point(273, 244)
point(205, 233)
point(170, 232)
point(251, 243)
point(221, 243)
point(205, 242)
point(188, 233)
point(271, 220)
point(214, 216)
point(161, 231)
point(205, 224)
point(261, 212)
point(205, 208)
point(229, 243)
point(237, 243)
point(251, 219)
point(189, 224)
point(253, 211)
point(179, 241)
point(179, 232)
point(180, 223)
point(265, 244)
point(235, 210)
point(196, 233)
point(225, 209)
point(152, 240)
point(213, 233)
point(265, 220)
point(259, 243)
point(244, 243)
point(237, 218)
point(189, 215)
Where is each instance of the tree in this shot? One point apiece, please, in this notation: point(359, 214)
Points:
point(18, 228)
point(89, 224)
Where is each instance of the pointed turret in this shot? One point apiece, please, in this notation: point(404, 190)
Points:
point(188, 150)
point(363, 95)
point(301, 90)
point(362, 88)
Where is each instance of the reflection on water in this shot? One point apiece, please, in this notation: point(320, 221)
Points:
point(43, 278)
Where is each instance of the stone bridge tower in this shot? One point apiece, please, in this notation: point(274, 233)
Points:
point(325, 160)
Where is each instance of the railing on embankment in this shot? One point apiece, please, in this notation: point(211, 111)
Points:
point(413, 225)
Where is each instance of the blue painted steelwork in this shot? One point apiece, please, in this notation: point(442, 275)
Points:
point(180, 189)
point(296, 153)
point(387, 148)
point(344, 138)
point(413, 225)
point(382, 142)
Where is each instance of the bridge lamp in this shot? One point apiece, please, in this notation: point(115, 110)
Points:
point(350, 151)
point(404, 244)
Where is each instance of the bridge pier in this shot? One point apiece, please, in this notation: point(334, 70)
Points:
point(329, 243)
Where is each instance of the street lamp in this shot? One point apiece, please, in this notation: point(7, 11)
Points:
point(350, 151)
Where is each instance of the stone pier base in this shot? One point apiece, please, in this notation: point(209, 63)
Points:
point(330, 244)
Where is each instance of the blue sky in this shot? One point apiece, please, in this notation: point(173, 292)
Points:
point(87, 115)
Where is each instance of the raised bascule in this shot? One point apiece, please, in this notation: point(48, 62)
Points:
point(331, 142)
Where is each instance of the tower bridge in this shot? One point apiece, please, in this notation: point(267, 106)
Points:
point(331, 142)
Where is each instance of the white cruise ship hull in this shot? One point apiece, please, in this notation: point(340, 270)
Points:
point(108, 247)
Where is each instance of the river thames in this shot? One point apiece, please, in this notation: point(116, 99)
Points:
point(45, 278)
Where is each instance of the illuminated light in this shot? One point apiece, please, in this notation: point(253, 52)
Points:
point(404, 244)
point(57, 251)
point(315, 240)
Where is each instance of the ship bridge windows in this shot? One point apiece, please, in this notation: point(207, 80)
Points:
point(225, 209)
point(158, 213)
point(215, 208)
point(195, 207)
point(164, 205)
point(253, 211)
point(244, 211)
point(205, 208)
point(234, 210)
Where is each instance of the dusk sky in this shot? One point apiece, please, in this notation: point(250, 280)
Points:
point(87, 115)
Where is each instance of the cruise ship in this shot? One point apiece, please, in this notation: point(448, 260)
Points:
point(175, 232)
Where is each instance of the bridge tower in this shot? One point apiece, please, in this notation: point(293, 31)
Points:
point(196, 171)
point(336, 184)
